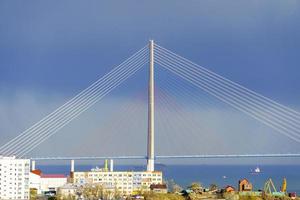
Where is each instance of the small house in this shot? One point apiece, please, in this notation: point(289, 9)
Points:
point(245, 185)
point(159, 188)
point(229, 188)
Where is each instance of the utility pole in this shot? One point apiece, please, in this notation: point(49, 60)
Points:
point(150, 144)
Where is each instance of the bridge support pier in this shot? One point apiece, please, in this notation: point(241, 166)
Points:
point(72, 171)
point(72, 166)
point(111, 165)
point(32, 165)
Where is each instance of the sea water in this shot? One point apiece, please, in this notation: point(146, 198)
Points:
point(221, 175)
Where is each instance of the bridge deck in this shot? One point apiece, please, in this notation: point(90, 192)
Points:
point(170, 157)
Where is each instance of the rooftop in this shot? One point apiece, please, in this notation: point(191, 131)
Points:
point(53, 176)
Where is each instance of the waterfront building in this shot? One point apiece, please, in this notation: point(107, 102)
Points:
point(44, 183)
point(14, 178)
point(245, 185)
point(125, 182)
point(51, 182)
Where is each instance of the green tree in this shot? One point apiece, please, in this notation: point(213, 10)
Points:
point(158, 196)
point(96, 191)
point(213, 187)
point(196, 187)
point(93, 191)
point(173, 186)
point(62, 197)
point(33, 193)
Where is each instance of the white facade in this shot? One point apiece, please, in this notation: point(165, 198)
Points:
point(52, 182)
point(14, 178)
point(126, 182)
point(35, 182)
point(44, 183)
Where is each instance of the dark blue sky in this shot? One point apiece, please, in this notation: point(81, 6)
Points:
point(62, 46)
point(57, 48)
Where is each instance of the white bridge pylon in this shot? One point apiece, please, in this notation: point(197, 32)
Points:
point(282, 119)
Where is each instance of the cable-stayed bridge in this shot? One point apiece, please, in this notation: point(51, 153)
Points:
point(284, 120)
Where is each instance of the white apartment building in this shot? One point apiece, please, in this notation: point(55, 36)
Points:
point(126, 182)
point(14, 178)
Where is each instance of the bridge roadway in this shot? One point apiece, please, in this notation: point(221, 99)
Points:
point(218, 156)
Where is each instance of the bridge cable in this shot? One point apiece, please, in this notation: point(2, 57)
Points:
point(17, 144)
point(164, 64)
point(72, 113)
point(90, 103)
point(69, 104)
point(249, 100)
point(220, 95)
point(229, 82)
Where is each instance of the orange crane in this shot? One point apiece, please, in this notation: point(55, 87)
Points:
point(284, 184)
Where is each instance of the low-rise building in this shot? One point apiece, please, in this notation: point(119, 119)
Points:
point(44, 183)
point(51, 182)
point(67, 190)
point(125, 182)
point(159, 188)
point(229, 188)
point(245, 185)
point(14, 178)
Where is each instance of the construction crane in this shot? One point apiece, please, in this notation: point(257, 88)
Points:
point(270, 189)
